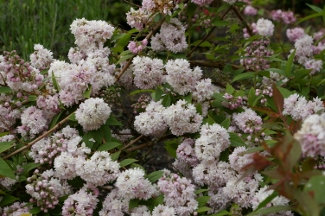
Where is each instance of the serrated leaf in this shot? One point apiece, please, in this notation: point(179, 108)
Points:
point(125, 57)
point(201, 190)
point(115, 155)
point(127, 162)
point(230, 89)
point(155, 176)
point(243, 76)
point(72, 117)
point(7, 199)
point(6, 170)
point(4, 146)
point(109, 146)
point(124, 40)
point(278, 99)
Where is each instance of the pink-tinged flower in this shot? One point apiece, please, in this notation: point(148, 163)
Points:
point(250, 11)
point(314, 65)
point(41, 58)
point(202, 2)
point(137, 18)
point(295, 34)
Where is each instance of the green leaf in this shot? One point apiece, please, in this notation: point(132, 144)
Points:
point(112, 121)
point(55, 83)
point(125, 57)
point(35, 210)
point(6, 170)
point(289, 64)
point(221, 213)
point(115, 155)
point(171, 146)
point(317, 9)
point(315, 187)
point(243, 76)
point(203, 200)
point(109, 146)
point(28, 167)
point(225, 123)
point(203, 209)
point(267, 200)
point(230, 89)
point(167, 100)
point(155, 176)
point(124, 40)
point(72, 117)
point(201, 190)
point(285, 92)
point(5, 89)
point(274, 209)
point(55, 119)
point(236, 140)
point(7, 199)
point(4, 146)
point(157, 94)
point(202, 44)
point(221, 23)
point(87, 93)
point(127, 162)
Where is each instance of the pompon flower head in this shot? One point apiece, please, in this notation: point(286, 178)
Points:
point(182, 118)
point(91, 34)
point(83, 202)
point(295, 33)
point(93, 113)
point(151, 122)
point(171, 37)
point(41, 58)
point(264, 27)
point(181, 77)
point(148, 73)
point(304, 48)
point(137, 18)
point(16, 209)
point(311, 136)
point(299, 108)
point(213, 140)
point(99, 169)
point(132, 184)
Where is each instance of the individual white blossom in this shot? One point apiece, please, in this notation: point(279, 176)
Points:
point(264, 27)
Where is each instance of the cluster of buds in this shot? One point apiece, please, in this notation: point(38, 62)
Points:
point(232, 102)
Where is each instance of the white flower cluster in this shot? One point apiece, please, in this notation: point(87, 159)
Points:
point(213, 140)
point(132, 184)
point(91, 35)
point(238, 159)
point(181, 77)
point(93, 113)
point(16, 209)
point(299, 108)
point(264, 27)
point(179, 193)
point(152, 121)
point(182, 118)
point(83, 202)
point(311, 136)
point(148, 73)
point(41, 58)
point(99, 169)
point(171, 37)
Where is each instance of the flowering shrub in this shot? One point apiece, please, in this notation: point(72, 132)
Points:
point(242, 115)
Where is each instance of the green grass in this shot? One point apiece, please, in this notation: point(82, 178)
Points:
point(24, 23)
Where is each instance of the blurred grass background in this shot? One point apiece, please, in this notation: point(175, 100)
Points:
point(24, 23)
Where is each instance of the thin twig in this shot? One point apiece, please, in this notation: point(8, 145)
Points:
point(38, 138)
point(132, 142)
point(208, 35)
point(144, 145)
point(242, 19)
